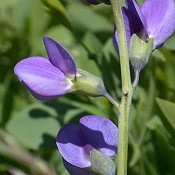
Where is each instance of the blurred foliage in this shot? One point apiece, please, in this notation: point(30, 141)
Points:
point(30, 126)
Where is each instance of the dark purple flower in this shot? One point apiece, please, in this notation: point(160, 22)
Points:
point(154, 19)
point(95, 2)
point(76, 142)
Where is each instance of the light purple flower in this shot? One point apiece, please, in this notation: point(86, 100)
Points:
point(154, 19)
point(48, 78)
point(76, 142)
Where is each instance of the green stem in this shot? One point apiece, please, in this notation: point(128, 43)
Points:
point(136, 79)
point(127, 90)
point(113, 101)
point(123, 133)
point(124, 60)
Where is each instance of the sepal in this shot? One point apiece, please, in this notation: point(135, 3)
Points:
point(89, 84)
point(140, 51)
point(101, 164)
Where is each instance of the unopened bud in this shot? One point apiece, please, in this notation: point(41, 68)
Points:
point(89, 84)
point(140, 51)
point(101, 164)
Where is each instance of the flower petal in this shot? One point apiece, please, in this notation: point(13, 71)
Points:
point(160, 19)
point(136, 18)
point(42, 79)
point(72, 146)
point(101, 133)
point(73, 170)
point(59, 56)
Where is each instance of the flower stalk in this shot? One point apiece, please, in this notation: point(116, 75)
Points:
point(127, 90)
point(112, 100)
point(136, 79)
point(123, 50)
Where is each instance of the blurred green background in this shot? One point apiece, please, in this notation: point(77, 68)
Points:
point(28, 127)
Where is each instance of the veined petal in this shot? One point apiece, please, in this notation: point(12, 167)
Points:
point(101, 133)
point(42, 79)
point(160, 19)
point(59, 56)
point(72, 146)
point(136, 18)
point(73, 170)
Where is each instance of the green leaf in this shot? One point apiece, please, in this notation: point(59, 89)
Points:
point(163, 149)
point(9, 103)
point(92, 43)
point(168, 109)
point(158, 55)
point(84, 18)
point(135, 156)
point(155, 124)
point(87, 107)
point(109, 61)
point(82, 59)
point(59, 33)
point(57, 10)
point(34, 126)
point(57, 163)
point(169, 44)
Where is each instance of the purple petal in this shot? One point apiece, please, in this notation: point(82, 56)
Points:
point(73, 170)
point(59, 56)
point(72, 146)
point(101, 133)
point(42, 79)
point(160, 19)
point(136, 18)
point(128, 29)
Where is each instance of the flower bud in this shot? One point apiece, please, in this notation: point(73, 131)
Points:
point(140, 51)
point(101, 164)
point(89, 84)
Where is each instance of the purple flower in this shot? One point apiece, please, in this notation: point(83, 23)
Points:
point(76, 142)
point(95, 2)
point(48, 78)
point(154, 19)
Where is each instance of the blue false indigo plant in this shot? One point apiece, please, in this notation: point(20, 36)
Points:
point(89, 148)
